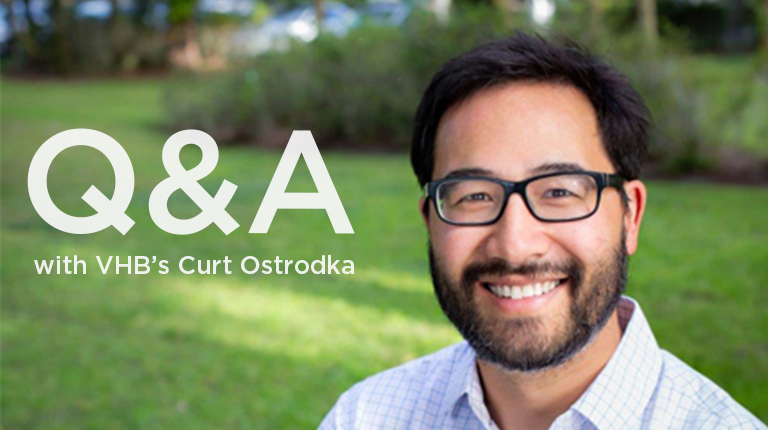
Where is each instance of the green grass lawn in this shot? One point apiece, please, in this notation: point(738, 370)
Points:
point(274, 351)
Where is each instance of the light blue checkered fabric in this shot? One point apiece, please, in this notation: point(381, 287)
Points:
point(641, 387)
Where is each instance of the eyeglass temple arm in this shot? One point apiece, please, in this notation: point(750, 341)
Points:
point(613, 180)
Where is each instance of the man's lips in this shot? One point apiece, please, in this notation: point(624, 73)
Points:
point(531, 297)
point(516, 289)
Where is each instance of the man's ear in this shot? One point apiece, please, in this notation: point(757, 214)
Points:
point(424, 210)
point(636, 194)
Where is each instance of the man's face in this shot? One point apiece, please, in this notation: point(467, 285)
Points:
point(514, 132)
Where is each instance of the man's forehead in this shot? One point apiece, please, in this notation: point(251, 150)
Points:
point(520, 129)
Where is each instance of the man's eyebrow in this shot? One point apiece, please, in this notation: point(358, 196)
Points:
point(539, 170)
point(472, 171)
point(556, 167)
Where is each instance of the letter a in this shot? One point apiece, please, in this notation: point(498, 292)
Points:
point(301, 143)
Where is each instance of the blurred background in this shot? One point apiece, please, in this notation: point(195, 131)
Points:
point(94, 351)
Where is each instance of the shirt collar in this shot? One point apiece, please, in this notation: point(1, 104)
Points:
point(463, 376)
point(627, 382)
point(464, 388)
point(629, 379)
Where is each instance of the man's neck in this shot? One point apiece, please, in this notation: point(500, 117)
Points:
point(533, 400)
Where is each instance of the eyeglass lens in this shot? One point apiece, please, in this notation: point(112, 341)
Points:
point(553, 198)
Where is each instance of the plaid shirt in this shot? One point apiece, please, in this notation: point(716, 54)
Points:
point(641, 387)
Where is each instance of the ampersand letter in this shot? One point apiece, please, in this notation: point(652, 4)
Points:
point(186, 180)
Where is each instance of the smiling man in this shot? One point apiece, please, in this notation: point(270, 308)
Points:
point(529, 153)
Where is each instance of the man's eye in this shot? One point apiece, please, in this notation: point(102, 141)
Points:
point(475, 197)
point(558, 193)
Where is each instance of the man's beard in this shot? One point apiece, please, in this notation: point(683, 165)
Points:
point(523, 343)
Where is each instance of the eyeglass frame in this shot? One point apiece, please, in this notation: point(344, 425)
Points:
point(603, 180)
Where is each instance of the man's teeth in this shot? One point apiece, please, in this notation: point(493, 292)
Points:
point(522, 292)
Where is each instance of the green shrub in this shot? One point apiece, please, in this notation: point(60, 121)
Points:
point(360, 91)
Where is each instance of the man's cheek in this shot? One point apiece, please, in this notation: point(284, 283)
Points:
point(457, 243)
point(449, 254)
point(584, 239)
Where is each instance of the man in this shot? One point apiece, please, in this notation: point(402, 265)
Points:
point(529, 154)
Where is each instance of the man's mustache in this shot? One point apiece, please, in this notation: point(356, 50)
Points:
point(498, 267)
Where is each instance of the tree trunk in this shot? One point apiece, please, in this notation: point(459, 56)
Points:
point(319, 14)
point(649, 23)
point(28, 38)
point(62, 59)
point(765, 26)
point(116, 48)
point(442, 9)
point(595, 21)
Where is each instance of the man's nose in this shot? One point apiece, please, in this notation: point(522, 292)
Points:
point(518, 236)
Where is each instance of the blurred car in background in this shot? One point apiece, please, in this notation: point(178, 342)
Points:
point(300, 24)
point(158, 10)
point(242, 9)
point(100, 10)
point(385, 12)
point(155, 16)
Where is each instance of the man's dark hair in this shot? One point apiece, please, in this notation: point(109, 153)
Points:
point(622, 116)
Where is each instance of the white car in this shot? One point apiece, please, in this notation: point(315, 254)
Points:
point(300, 24)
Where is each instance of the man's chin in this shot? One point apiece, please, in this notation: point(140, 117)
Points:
point(524, 344)
point(533, 343)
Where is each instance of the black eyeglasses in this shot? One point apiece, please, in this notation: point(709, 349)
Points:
point(553, 197)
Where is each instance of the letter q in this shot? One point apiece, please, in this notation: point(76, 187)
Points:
point(110, 212)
